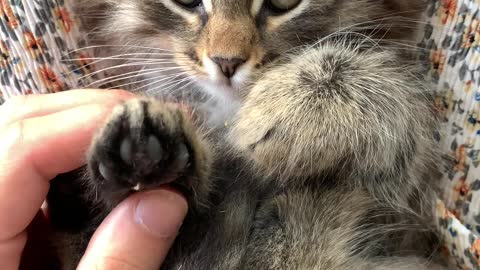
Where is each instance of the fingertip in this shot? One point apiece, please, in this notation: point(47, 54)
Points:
point(161, 212)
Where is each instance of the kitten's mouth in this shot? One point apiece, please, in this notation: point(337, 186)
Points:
point(221, 87)
point(226, 84)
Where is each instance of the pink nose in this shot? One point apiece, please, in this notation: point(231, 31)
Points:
point(228, 66)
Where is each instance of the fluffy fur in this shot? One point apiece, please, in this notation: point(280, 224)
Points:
point(327, 159)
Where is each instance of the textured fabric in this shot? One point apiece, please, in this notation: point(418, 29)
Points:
point(39, 41)
point(452, 51)
point(38, 48)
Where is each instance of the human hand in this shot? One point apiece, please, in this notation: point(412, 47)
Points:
point(42, 136)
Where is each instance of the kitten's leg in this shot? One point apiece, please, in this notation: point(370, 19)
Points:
point(147, 143)
point(336, 115)
point(337, 109)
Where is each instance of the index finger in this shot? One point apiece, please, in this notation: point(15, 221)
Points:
point(22, 107)
point(32, 152)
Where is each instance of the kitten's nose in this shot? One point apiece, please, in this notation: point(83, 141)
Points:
point(228, 66)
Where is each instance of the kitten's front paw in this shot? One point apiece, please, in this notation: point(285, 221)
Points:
point(144, 144)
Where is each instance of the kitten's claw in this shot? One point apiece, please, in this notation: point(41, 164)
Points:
point(137, 187)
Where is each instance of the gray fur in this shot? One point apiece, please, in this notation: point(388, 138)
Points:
point(328, 161)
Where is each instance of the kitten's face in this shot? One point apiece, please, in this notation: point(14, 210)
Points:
point(224, 44)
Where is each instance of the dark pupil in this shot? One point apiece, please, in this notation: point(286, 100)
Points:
point(190, 4)
point(278, 7)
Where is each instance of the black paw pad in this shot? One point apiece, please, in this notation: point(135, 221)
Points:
point(138, 150)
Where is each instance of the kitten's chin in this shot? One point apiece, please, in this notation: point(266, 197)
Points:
point(223, 89)
point(223, 102)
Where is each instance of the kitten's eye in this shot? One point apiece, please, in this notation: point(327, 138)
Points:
point(189, 3)
point(281, 6)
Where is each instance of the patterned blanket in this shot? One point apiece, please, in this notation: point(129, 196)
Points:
point(451, 47)
point(39, 48)
point(39, 53)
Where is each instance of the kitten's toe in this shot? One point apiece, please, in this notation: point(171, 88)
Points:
point(183, 157)
point(154, 149)
point(126, 151)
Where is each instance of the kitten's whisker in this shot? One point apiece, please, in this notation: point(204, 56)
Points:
point(113, 58)
point(116, 57)
point(91, 74)
point(133, 63)
point(168, 85)
point(119, 46)
point(164, 79)
point(172, 84)
point(121, 56)
point(146, 79)
point(175, 84)
point(352, 26)
point(125, 76)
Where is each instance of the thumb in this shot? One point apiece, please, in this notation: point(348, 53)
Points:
point(138, 233)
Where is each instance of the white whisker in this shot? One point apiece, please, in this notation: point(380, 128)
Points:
point(119, 46)
point(138, 73)
point(166, 77)
point(121, 66)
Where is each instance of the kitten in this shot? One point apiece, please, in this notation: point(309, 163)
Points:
point(327, 159)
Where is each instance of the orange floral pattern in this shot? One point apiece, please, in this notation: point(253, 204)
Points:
point(40, 54)
point(452, 54)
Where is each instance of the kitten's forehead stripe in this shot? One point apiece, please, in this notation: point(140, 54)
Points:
point(232, 8)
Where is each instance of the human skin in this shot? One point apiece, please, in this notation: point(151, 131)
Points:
point(45, 135)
